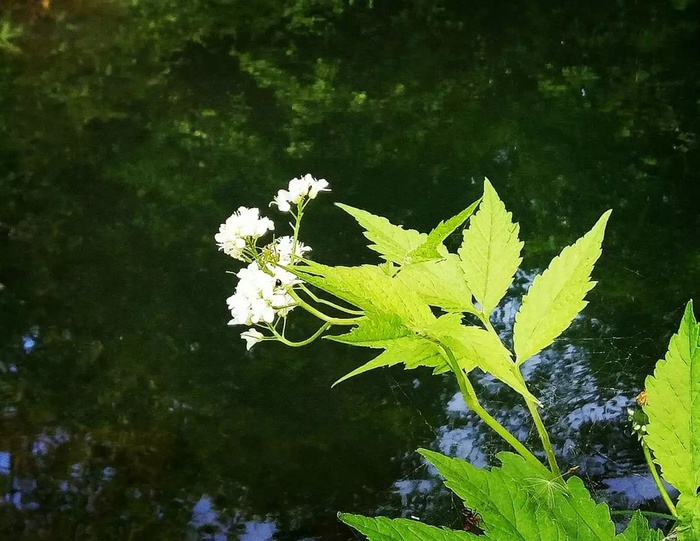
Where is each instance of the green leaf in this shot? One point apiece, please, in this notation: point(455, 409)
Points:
point(401, 529)
point(393, 242)
point(439, 283)
point(433, 248)
point(375, 330)
point(481, 348)
point(557, 295)
point(673, 408)
point(393, 314)
point(638, 530)
point(411, 351)
point(369, 288)
point(688, 517)
point(516, 503)
point(490, 251)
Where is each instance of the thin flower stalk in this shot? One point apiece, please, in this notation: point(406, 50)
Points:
point(301, 343)
point(320, 315)
point(319, 300)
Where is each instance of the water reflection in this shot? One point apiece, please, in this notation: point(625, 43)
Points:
point(213, 525)
point(129, 129)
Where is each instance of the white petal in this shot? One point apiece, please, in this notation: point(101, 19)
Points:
point(319, 185)
point(251, 337)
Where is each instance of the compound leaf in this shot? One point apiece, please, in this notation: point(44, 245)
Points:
point(557, 295)
point(393, 242)
point(411, 351)
point(439, 283)
point(481, 347)
point(433, 248)
point(490, 250)
point(673, 408)
point(369, 288)
point(517, 503)
point(401, 529)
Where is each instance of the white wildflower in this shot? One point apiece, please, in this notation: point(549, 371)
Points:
point(298, 190)
point(259, 296)
point(317, 185)
point(283, 249)
point(282, 201)
point(243, 225)
point(252, 337)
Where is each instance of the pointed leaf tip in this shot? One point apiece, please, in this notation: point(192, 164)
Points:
point(433, 248)
point(557, 295)
point(393, 242)
point(490, 250)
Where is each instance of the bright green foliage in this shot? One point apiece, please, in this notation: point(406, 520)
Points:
point(439, 283)
point(411, 351)
point(520, 500)
point(557, 295)
point(393, 242)
point(481, 347)
point(638, 530)
point(490, 251)
point(433, 248)
point(401, 529)
point(412, 308)
point(673, 408)
point(689, 517)
point(371, 289)
point(394, 313)
point(516, 503)
point(375, 330)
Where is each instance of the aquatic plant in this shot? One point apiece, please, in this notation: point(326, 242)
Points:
point(425, 306)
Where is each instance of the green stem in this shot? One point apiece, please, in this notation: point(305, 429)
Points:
point(473, 403)
point(653, 514)
point(287, 342)
point(532, 408)
point(659, 484)
point(297, 225)
point(541, 430)
point(319, 300)
point(320, 315)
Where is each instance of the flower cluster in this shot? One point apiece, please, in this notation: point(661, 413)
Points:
point(284, 247)
point(262, 294)
point(298, 190)
point(241, 228)
point(639, 421)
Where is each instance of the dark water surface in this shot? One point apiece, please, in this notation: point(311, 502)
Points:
point(130, 130)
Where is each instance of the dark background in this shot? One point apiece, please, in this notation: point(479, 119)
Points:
point(130, 130)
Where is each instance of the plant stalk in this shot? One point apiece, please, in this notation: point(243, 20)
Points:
point(532, 408)
point(472, 401)
point(652, 514)
point(541, 430)
point(320, 315)
point(288, 342)
point(659, 484)
point(319, 300)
